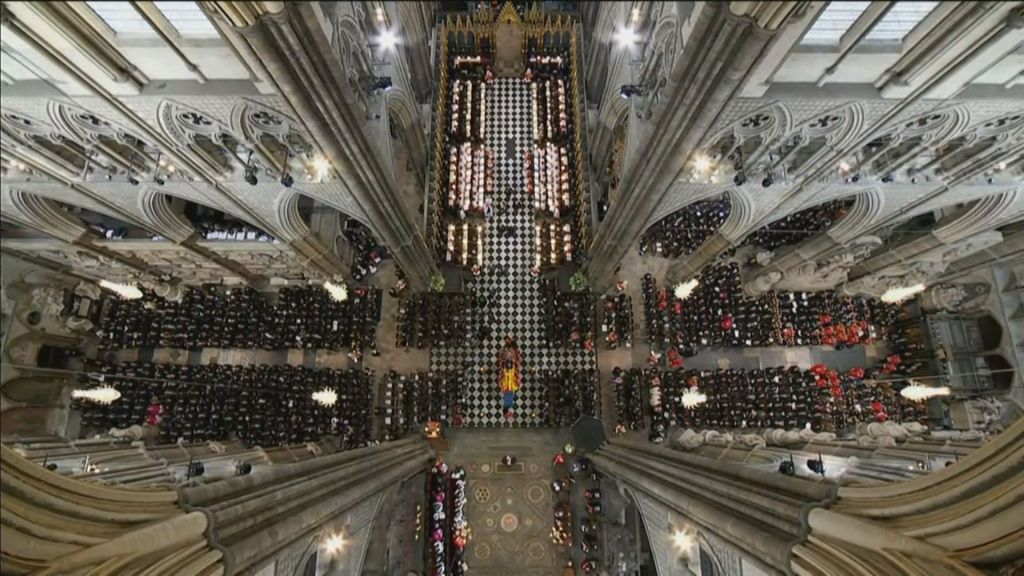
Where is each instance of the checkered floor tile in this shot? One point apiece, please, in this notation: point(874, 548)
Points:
point(507, 264)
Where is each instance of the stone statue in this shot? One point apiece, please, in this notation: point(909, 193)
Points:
point(986, 412)
point(688, 440)
point(764, 257)
point(945, 297)
point(764, 282)
point(780, 437)
point(88, 290)
point(752, 441)
point(48, 300)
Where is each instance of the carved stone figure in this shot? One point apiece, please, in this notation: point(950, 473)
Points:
point(49, 301)
point(986, 413)
point(88, 290)
point(764, 257)
point(764, 282)
point(945, 297)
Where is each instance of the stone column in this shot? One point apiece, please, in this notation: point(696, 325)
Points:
point(291, 41)
point(59, 525)
point(417, 20)
point(723, 42)
point(960, 519)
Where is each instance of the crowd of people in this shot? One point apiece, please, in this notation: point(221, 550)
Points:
point(447, 529)
point(367, 254)
point(618, 321)
point(568, 317)
point(214, 317)
point(628, 398)
point(569, 395)
point(683, 231)
point(576, 480)
point(775, 397)
point(427, 319)
point(222, 229)
point(414, 399)
point(718, 313)
point(265, 405)
point(798, 226)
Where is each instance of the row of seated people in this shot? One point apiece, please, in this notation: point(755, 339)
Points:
point(628, 399)
point(718, 313)
point(427, 319)
point(265, 405)
point(211, 316)
point(212, 229)
point(412, 400)
point(568, 317)
point(776, 397)
point(569, 394)
point(618, 321)
point(446, 526)
point(683, 231)
point(367, 253)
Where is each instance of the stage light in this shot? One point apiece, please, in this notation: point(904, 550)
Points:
point(918, 392)
point(387, 39)
point(625, 37)
point(325, 397)
point(334, 544)
point(320, 167)
point(103, 395)
point(126, 291)
point(887, 178)
point(701, 163)
point(1002, 165)
point(682, 539)
point(768, 180)
point(133, 180)
point(844, 166)
point(287, 180)
point(739, 179)
point(901, 293)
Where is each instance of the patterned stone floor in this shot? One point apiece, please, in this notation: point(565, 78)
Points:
point(509, 509)
point(506, 276)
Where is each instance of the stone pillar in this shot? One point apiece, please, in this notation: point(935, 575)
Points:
point(59, 525)
point(291, 41)
point(723, 42)
point(417, 20)
point(961, 519)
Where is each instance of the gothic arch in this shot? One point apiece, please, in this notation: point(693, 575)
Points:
point(402, 108)
point(746, 141)
point(118, 150)
point(803, 148)
point(46, 215)
point(979, 148)
point(277, 139)
point(156, 207)
point(984, 214)
point(288, 217)
point(205, 139)
point(901, 149)
point(43, 139)
point(862, 217)
point(741, 216)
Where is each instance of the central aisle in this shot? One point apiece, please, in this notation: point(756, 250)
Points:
point(506, 280)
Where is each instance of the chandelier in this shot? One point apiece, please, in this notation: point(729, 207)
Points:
point(899, 294)
point(338, 292)
point(126, 291)
point(693, 398)
point(325, 397)
point(102, 395)
point(683, 290)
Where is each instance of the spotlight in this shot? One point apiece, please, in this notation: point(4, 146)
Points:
point(990, 180)
point(133, 180)
point(195, 469)
point(387, 39)
point(287, 180)
point(250, 177)
point(887, 178)
point(243, 469)
point(334, 543)
point(855, 178)
point(159, 179)
point(787, 467)
point(682, 539)
point(768, 180)
point(625, 37)
point(739, 179)
point(1002, 165)
point(913, 180)
point(817, 466)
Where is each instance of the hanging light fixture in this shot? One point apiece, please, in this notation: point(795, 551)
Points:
point(693, 398)
point(325, 397)
point(320, 166)
point(334, 543)
point(102, 395)
point(338, 292)
point(901, 293)
point(126, 291)
point(683, 290)
point(918, 392)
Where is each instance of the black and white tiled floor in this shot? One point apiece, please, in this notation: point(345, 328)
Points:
point(507, 263)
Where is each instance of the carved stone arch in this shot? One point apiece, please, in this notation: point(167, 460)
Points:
point(36, 390)
point(402, 108)
point(43, 139)
point(802, 149)
point(123, 150)
point(862, 217)
point(204, 138)
point(707, 547)
point(983, 214)
point(980, 147)
point(354, 49)
point(661, 50)
point(276, 138)
point(46, 215)
point(897, 146)
point(289, 219)
point(751, 136)
point(741, 216)
point(156, 207)
point(79, 124)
